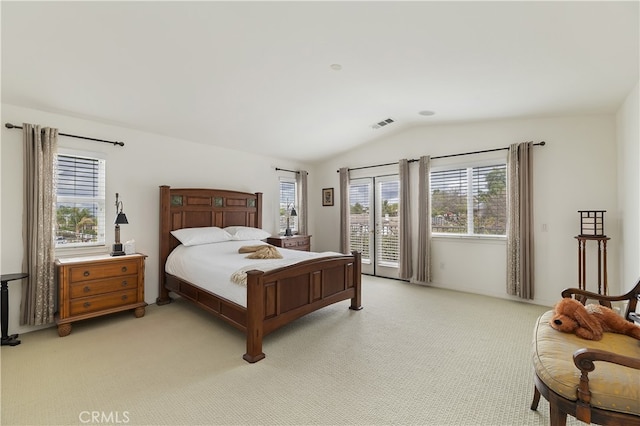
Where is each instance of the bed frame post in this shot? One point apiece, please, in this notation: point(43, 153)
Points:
point(255, 316)
point(258, 210)
point(356, 302)
point(165, 228)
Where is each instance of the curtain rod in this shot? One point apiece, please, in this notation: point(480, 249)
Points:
point(413, 160)
point(13, 126)
point(543, 143)
point(285, 170)
point(291, 171)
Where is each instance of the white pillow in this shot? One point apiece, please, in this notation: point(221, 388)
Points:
point(246, 233)
point(204, 235)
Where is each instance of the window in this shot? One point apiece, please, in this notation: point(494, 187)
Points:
point(469, 201)
point(288, 200)
point(359, 217)
point(80, 201)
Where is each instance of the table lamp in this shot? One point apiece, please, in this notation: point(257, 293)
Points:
point(287, 232)
point(121, 219)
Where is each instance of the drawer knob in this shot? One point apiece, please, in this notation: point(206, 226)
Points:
point(124, 269)
point(124, 297)
point(124, 283)
point(86, 289)
point(86, 273)
point(87, 304)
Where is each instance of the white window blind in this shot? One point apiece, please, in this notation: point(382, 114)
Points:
point(490, 200)
point(388, 241)
point(359, 219)
point(469, 201)
point(80, 201)
point(287, 202)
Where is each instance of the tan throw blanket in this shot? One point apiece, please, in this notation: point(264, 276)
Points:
point(269, 264)
point(260, 252)
point(240, 276)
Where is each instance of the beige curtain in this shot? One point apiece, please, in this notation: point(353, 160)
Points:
point(423, 274)
point(520, 279)
point(406, 256)
point(345, 243)
point(301, 180)
point(38, 292)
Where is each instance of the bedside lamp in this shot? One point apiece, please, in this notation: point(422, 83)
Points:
point(121, 219)
point(287, 232)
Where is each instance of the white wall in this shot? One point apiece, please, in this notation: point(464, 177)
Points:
point(576, 170)
point(629, 187)
point(135, 172)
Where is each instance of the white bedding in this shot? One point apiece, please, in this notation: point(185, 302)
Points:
point(210, 266)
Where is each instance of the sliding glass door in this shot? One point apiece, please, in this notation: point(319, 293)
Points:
point(374, 223)
point(361, 228)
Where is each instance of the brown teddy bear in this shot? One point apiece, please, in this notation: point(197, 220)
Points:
point(590, 321)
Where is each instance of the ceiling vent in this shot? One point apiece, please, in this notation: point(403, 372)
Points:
point(382, 123)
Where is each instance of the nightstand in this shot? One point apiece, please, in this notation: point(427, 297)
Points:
point(92, 286)
point(295, 242)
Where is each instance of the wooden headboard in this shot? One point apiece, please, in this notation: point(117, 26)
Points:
point(194, 207)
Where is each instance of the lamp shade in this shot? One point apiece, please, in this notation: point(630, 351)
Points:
point(293, 212)
point(592, 222)
point(121, 219)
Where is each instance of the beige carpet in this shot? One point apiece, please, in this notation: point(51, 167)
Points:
point(414, 355)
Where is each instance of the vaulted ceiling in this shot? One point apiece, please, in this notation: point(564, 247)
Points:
point(308, 80)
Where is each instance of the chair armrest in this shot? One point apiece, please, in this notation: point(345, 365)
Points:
point(632, 297)
point(634, 294)
point(584, 359)
point(585, 294)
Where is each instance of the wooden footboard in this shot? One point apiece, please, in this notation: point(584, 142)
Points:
point(280, 296)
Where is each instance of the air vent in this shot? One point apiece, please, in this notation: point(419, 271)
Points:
point(382, 123)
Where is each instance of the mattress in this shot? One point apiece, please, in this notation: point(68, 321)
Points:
point(210, 266)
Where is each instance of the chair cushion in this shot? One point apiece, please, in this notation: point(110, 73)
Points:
point(613, 387)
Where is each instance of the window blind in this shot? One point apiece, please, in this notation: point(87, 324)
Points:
point(80, 201)
point(490, 200)
point(287, 200)
point(449, 201)
point(78, 177)
point(359, 219)
point(471, 200)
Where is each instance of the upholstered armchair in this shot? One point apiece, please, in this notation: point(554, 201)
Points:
point(593, 381)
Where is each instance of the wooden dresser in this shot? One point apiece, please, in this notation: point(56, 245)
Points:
point(295, 242)
point(98, 285)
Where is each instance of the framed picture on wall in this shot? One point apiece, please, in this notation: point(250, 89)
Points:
point(327, 196)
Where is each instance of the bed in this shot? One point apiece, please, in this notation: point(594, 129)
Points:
point(274, 297)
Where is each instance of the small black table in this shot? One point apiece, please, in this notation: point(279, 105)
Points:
point(4, 300)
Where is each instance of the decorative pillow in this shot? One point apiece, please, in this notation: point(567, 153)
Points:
point(204, 235)
point(245, 233)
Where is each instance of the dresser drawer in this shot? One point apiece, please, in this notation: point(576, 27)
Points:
point(93, 288)
point(106, 301)
point(297, 243)
point(103, 270)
